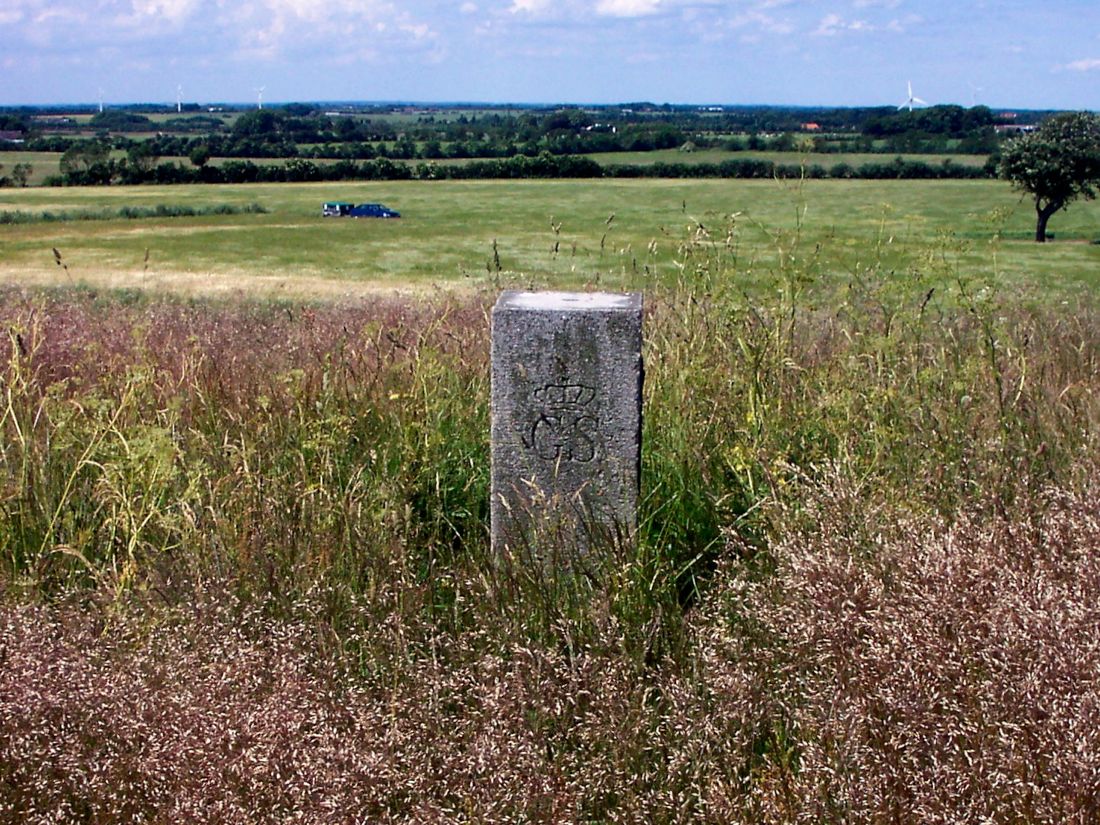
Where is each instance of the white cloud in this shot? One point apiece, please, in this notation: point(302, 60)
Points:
point(15, 11)
point(61, 15)
point(830, 24)
point(267, 29)
point(588, 10)
point(529, 6)
point(1089, 64)
point(267, 26)
point(627, 8)
point(760, 21)
point(172, 10)
point(418, 31)
point(902, 24)
point(316, 10)
point(833, 24)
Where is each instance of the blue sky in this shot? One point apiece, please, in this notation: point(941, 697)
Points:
point(833, 52)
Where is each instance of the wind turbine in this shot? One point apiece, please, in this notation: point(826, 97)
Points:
point(260, 97)
point(973, 93)
point(179, 98)
point(101, 100)
point(911, 100)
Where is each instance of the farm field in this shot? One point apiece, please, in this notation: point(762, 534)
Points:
point(546, 233)
point(826, 159)
point(44, 164)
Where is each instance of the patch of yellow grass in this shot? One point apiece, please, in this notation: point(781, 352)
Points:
point(223, 282)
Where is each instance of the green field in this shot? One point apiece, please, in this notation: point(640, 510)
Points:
point(43, 164)
point(794, 158)
point(449, 229)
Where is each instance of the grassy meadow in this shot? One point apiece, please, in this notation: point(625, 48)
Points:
point(43, 164)
point(244, 561)
point(538, 233)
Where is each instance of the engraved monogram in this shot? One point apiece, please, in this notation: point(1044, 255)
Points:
point(566, 427)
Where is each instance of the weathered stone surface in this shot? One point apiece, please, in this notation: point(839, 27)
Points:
point(566, 421)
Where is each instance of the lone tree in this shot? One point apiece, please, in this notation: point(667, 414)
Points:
point(200, 155)
point(1057, 163)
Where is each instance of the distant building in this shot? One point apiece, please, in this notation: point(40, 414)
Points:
point(811, 127)
point(1013, 128)
point(53, 121)
point(11, 137)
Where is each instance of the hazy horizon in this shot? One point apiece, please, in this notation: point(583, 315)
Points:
point(487, 104)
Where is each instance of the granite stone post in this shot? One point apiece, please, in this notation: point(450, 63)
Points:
point(566, 422)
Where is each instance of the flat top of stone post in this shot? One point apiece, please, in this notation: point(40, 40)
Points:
point(567, 301)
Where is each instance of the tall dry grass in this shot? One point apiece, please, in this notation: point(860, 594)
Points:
point(887, 671)
point(246, 574)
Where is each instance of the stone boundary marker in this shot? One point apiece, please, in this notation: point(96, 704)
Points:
point(566, 422)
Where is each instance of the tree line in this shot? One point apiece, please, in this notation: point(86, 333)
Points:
point(108, 171)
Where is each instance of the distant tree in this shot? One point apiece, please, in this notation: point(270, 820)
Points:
point(195, 123)
point(258, 122)
point(302, 170)
point(1057, 164)
point(403, 149)
point(21, 172)
point(13, 123)
point(142, 156)
point(782, 143)
point(200, 155)
point(82, 156)
point(115, 120)
point(298, 109)
point(347, 129)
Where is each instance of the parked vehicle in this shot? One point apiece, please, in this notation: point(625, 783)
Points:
point(342, 209)
point(373, 210)
point(336, 209)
